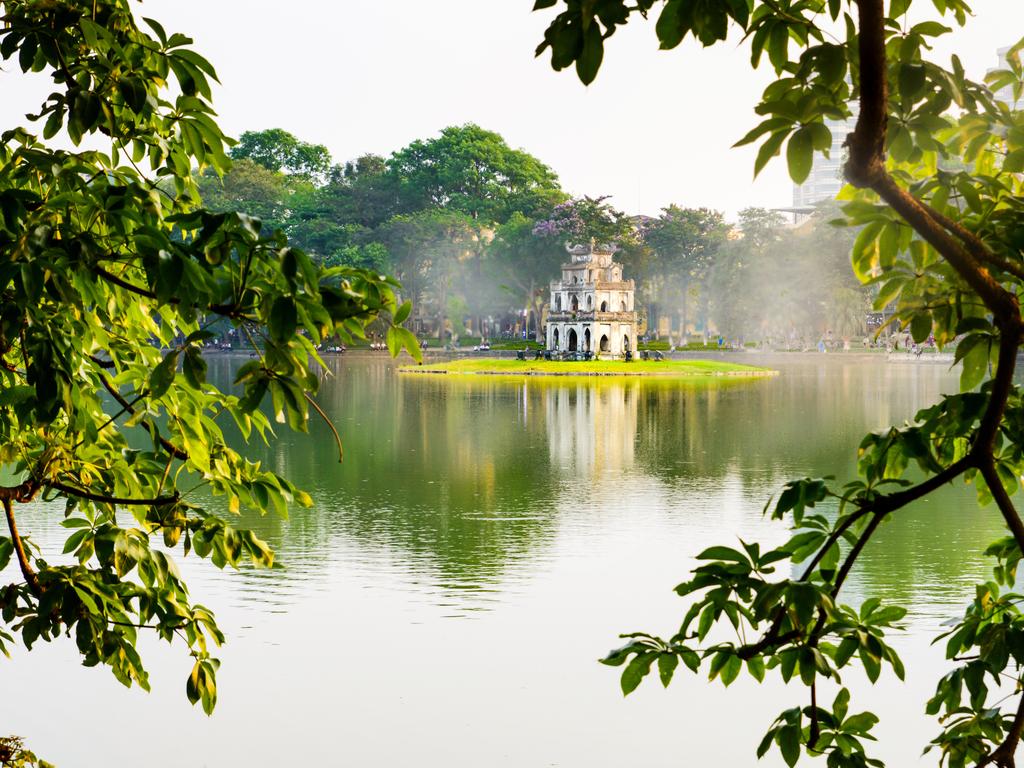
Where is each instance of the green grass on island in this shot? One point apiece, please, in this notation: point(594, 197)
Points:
point(508, 367)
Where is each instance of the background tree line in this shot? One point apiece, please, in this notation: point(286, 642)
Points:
point(475, 231)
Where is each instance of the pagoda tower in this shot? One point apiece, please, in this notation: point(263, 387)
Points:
point(592, 306)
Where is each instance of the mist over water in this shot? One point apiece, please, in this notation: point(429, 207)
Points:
point(483, 543)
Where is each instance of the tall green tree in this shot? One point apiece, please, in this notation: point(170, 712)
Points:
point(944, 246)
point(431, 251)
point(473, 171)
point(362, 192)
point(787, 284)
point(585, 219)
point(112, 273)
point(684, 242)
point(525, 264)
point(251, 187)
point(277, 150)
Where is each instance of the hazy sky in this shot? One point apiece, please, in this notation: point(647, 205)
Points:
point(656, 127)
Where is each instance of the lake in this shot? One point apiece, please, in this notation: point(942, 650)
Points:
point(483, 543)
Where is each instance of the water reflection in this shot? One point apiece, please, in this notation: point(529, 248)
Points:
point(463, 485)
point(544, 517)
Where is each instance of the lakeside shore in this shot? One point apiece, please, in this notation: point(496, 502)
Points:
point(667, 368)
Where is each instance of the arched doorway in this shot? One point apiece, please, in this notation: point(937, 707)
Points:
point(586, 340)
point(554, 338)
point(604, 344)
point(573, 340)
point(625, 343)
point(575, 303)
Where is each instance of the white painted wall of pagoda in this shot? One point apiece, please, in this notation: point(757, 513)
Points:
point(591, 307)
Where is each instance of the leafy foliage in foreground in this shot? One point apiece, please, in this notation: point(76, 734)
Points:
point(112, 273)
point(934, 166)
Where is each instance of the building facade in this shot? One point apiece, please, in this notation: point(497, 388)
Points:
point(591, 307)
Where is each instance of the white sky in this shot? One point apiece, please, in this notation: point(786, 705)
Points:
point(655, 128)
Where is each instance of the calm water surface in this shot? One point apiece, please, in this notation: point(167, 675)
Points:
point(482, 544)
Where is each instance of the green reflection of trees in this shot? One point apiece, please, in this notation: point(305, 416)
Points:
point(457, 478)
point(461, 477)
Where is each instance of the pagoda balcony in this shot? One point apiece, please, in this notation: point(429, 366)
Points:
point(590, 317)
point(599, 285)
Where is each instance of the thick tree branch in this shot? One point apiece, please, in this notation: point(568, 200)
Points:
point(1002, 385)
point(81, 493)
point(866, 168)
point(975, 245)
point(108, 364)
point(31, 578)
point(1002, 303)
point(867, 142)
point(854, 553)
point(22, 492)
point(1002, 499)
point(1003, 755)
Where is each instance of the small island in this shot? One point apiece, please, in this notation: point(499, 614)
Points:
point(510, 367)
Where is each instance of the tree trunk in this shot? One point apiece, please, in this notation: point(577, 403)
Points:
point(442, 311)
point(531, 300)
point(683, 335)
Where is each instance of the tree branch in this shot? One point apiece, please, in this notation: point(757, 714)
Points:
point(31, 578)
point(866, 167)
point(327, 420)
point(975, 245)
point(227, 310)
point(1002, 499)
point(167, 445)
point(1003, 755)
point(81, 493)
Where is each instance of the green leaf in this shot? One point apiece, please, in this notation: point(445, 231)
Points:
point(667, 663)
point(635, 671)
point(841, 705)
point(755, 666)
point(921, 326)
point(800, 154)
point(975, 366)
point(402, 313)
point(769, 149)
point(162, 377)
point(6, 550)
point(911, 80)
point(194, 367)
point(723, 553)
point(731, 669)
point(589, 61)
point(1014, 161)
point(788, 739)
point(283, 319)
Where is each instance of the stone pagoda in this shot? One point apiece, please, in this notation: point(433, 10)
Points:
point(592, 306)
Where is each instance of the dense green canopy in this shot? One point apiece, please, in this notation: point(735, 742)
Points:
point(113, 275)
point(937, 194)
